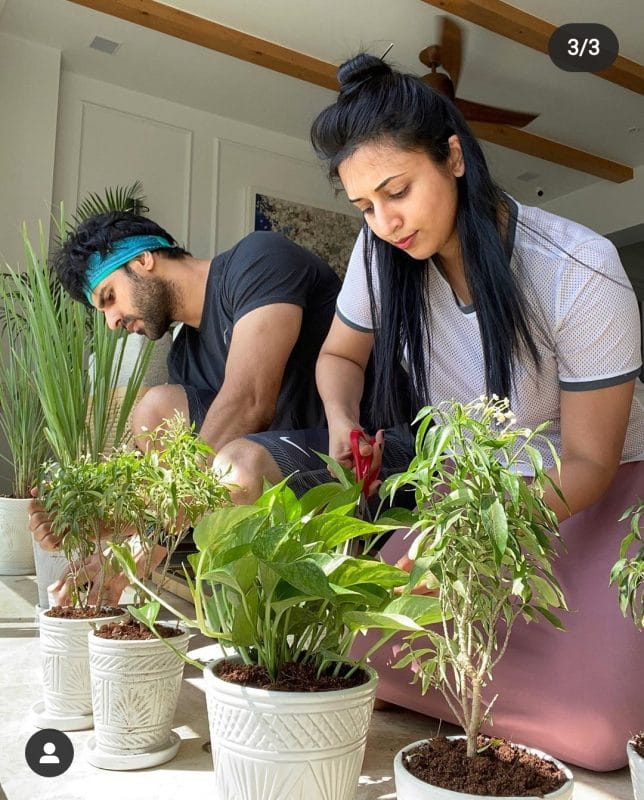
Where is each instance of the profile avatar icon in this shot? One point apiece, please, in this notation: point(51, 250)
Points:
point(49, 753)
point(49, 757)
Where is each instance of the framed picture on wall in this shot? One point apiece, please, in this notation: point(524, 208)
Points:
point(329, 234)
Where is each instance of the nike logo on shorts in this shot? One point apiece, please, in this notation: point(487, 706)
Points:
point(287, 440)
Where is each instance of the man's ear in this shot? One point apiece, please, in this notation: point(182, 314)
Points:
point(456, 160)
point(144, 262)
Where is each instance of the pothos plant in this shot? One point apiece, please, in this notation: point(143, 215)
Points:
point(484, 539)
point(276, 582)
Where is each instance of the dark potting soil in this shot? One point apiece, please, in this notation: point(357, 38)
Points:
point(292, 677)
point(134, 631)
point(91, 612)
point(638, 743)
point(503, 770)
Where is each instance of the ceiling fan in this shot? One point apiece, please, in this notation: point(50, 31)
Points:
point(449, 55)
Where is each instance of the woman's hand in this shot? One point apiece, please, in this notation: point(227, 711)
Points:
point(340, 448)
point(426, 586)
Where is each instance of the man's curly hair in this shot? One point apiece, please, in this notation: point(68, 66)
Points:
point(98, 234)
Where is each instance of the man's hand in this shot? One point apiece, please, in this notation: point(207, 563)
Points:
point(40, 524)
point(96, 574)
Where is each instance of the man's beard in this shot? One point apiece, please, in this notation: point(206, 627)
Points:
point(155, 302)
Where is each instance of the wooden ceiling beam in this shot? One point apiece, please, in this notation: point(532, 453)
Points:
point(558, 153)
point(197, 30)
point(511, 22)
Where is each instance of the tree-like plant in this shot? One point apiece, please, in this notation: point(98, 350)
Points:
point(150, 498)
point(276, 583)
point(628, 572)
point(485, 539)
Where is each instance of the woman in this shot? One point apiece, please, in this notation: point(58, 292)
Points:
point(477, 294)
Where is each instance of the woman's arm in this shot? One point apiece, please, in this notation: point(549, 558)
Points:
point(593, 429)
point(340, 379)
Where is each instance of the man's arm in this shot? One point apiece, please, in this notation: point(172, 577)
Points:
point(260, 346)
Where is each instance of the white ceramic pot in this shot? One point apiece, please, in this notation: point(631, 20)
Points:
point(135, 688)
point(409, 787)
point(67, 698)
point(636, 764)
point(276, 745)
point(16, 552)
point(50, 565)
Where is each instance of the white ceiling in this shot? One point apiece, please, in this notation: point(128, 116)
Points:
point(578, 109)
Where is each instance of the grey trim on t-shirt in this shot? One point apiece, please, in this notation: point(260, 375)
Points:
point(352, 324)
point(586, 386)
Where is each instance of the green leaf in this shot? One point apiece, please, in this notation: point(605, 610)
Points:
point(146, 614)
point(552, 618)
point(276, 544)
point(364, 620)
point(219, 531)
point(124, 556)
point(496, 526)
point(424, 609)
point(317, 498)
point(356, 570)
point(306, 576)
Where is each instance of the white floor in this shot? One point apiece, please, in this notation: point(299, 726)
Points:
point(189, 774)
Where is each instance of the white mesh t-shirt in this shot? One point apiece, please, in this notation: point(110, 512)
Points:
point(589, 318)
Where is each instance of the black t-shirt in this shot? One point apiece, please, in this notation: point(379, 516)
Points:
point(262, 269)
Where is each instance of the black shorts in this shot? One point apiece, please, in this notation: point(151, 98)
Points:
point(295, 453)
point(199, 401)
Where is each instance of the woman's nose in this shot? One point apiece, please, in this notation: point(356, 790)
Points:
point(388, 222)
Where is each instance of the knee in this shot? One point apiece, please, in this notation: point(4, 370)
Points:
point(157, 404)
point(244, 465)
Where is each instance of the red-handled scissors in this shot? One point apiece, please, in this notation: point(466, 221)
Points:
point(363, 463)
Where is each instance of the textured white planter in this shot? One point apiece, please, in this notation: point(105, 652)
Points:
point(16, 552)
point(50, 565)
point(275, 745)
point(410, 788)
point(135, 688)
point(67, 698)
point(636, 764)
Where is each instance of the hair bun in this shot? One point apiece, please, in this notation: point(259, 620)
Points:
point(359, 69)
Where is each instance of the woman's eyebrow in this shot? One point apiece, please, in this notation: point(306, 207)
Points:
point(380, 186)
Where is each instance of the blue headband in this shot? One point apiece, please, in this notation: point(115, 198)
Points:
point(124, 250)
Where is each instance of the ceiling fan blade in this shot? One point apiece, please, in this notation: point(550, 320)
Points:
point(451, 48)
point(440, 82)
point(484, 113)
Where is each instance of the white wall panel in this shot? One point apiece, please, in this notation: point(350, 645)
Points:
point(117, 147)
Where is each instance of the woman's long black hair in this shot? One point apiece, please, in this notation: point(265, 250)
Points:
point(379, 105)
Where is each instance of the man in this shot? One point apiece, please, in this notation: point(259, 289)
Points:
point(254, 319)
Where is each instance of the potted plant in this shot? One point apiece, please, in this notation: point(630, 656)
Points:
point(485, 540)
point(21, 423)
point(83, 498)
point(82, 410)
point(628, 575)
point(273, 583)
point(135, 668)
